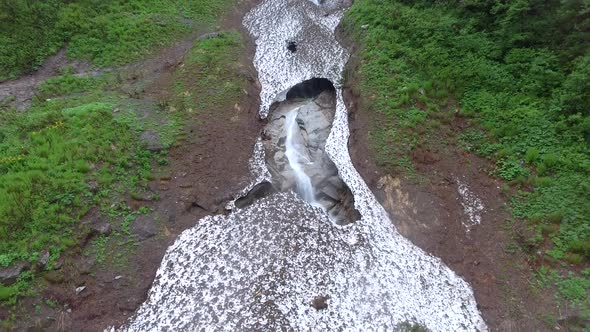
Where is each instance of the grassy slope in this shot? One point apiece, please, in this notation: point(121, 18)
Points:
point(421, 65)
point(78, 147)
point(111, 32)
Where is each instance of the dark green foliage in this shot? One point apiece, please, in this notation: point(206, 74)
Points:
point(47, 156)
point(106, 32)
point(519, 69)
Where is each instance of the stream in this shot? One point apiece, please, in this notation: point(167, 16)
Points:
point(306, 247)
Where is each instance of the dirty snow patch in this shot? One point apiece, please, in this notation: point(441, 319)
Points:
point(472, 205)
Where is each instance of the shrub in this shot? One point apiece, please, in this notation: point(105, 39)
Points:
point(532, 154)
point(575, 259)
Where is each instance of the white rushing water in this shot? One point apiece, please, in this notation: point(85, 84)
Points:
point(260, 267)
point(296, 158)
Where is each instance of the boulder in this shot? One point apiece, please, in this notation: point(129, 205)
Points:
point(151, 141)
point(80, 290)
point(259, 191)
point(54, 277)
point(320, 302)
point(43, 260)
point(331, 192)
point(86, 264)
point(9, 275)
point(144, 228)
point(98, 228)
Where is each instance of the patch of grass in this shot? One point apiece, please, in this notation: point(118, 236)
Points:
point(126, 215)
point(7, 293)
point(108, 32)
point(99, 246)
point(415, 56)
point(68, 83)
point(10, 294)
point(210, 80)
point(80, 130)
point(50, 153)
point(571, 288)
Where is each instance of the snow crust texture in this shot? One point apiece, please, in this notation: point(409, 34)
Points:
point(261, 267)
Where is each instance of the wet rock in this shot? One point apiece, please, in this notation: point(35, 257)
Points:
point(259, 191)
point(327, 203)
point(9, 275)
point(151, 141)
point(320, 302)
point(315, 115)
point(325, 99)
point(292, 46)
point(331, 192)
point(144, 228)
point(207, 200)
point(54, 277)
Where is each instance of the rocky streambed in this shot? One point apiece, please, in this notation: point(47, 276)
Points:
point(306, 246)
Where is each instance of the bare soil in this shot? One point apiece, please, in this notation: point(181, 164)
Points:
point(428, 211)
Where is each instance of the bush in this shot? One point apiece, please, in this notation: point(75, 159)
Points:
point(531, 156)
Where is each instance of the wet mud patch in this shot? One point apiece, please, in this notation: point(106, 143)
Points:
point(295, 140)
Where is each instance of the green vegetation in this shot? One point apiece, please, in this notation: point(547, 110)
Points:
point(50, 156)
point(520, 70)
point(211, 63)
point(109, 32)
point(79, 145)
point(568, 288)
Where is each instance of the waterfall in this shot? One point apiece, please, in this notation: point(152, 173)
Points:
point(304, 188)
